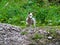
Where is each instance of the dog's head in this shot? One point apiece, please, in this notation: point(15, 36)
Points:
point(30, 15)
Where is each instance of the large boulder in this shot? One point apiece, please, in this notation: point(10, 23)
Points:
point(10, 35)
point(14, 35)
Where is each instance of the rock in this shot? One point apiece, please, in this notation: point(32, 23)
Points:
point(50, 37)
point(2, 32)
point(1, 28)
point(54, 43)
point(31, 31)
point(41, 31)
point(11, 35)
point(58, 32)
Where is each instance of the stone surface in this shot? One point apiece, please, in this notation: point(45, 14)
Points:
point(11, 35)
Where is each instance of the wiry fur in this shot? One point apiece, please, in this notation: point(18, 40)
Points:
point(30, 20)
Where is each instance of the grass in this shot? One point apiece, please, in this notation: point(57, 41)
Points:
point(43, 27)
point(37, 36)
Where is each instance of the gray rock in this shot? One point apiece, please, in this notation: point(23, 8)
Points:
point(10, 35)
point(58, 32)
point(1, 28)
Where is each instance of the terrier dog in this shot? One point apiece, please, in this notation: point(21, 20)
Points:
point(30, 20)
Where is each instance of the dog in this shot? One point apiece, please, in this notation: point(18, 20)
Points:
point(30, 20)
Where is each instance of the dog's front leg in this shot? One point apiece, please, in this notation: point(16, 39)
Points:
point(34, 22)
point(26, 21)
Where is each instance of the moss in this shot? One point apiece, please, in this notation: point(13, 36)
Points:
point(37, 36)
point(23, 33)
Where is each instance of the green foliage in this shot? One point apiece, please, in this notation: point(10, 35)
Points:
point(23, 33)
point(16, 11)
point(37, 36)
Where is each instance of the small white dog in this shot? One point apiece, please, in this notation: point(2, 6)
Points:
point(30, 20)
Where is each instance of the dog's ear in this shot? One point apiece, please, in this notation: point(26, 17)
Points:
point(33, 13)
point(28, 12)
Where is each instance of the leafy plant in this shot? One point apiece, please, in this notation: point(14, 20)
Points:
point(16, 11)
